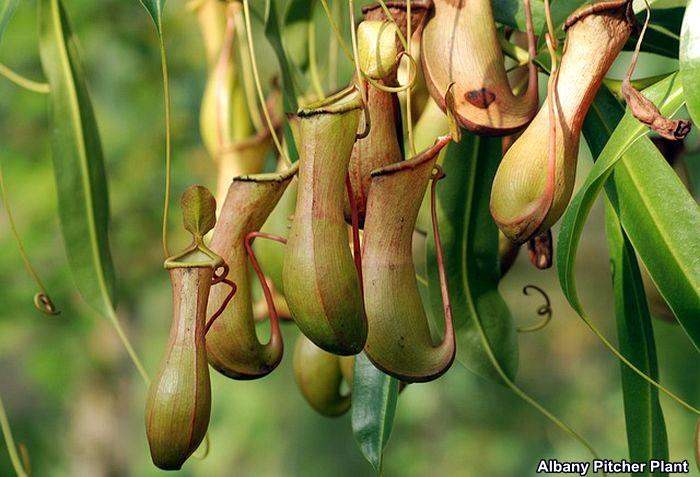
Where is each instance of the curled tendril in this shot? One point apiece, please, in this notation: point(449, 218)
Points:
point(44, 304)
point(216, 279)
point(398, 89)
point(544, 310)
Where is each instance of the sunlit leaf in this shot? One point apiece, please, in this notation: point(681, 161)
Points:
point(661, 218)
point(646, 430)
point(690, 59)
point(470, 241)
point(374, 396)
point(79, 169)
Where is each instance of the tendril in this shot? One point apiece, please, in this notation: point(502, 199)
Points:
point(438, 174)
point(256, 75)
point(42, 301)
point(413, 73)
point(10, 442)
point(409, 113)
point(22, 82)
point(216, 279)
point(272, 310)
point(357, 253)
point(359, 76)
point(544, 310)
point(336, 29)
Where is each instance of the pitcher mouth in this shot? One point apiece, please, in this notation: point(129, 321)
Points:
point(598, 8)
point(346, 100)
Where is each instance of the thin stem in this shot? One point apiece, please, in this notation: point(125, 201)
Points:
point(409, 112)
point(444, 285)
point(333, 60)
point(313, 67)
point(168, 146)
point(246, 72)
point(10, 442)
point(355, 220)
point(221, 278)
point(336, 30)
point(638, 46)
point(258, 85)
point(641, 374)
point(390, 17)
point(272, 310)
point(112, 315)
point(21, 81)
point(42, 300)
point(360, 77)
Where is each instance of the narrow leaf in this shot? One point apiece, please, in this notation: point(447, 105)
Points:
point(470, 241)
point(6, 12)
point(661, 218)
point(155, 10)
point(374, 396)
point(289, 84)
point(690, 59)
point(78, 162)
point(646, 429)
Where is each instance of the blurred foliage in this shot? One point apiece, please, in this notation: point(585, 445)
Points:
point(75, 400)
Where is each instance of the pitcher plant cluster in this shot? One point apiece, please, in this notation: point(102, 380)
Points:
point(432, 142)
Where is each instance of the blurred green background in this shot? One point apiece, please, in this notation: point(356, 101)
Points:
point(77, 403)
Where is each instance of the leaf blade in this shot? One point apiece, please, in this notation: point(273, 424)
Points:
point(374, 398)
point(79, 171)
point(678, 286)
point(689, 59)
point(6, 13)
point(646, 428)
point(470, 242)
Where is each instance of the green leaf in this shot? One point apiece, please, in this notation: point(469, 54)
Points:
point(6, 12)
point(374, 396)
point(646, 429)
point(289, 85)
point(155, 10)
point(79, 169)
point(690, 59)
point(198, 210)
point(657, 212)
point(470, 241)
point(297, 19)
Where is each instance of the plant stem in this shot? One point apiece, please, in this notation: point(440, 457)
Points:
point(246, 68)
point(256, 75)
point(112, 315)
point(166, 100)
point(10, 442)
point(336, 30)
point(409, 113)
point(21, 81)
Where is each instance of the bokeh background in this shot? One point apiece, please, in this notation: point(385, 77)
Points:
point(75, 401)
